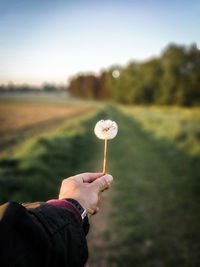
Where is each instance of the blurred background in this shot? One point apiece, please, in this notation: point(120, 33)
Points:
point(66, 64)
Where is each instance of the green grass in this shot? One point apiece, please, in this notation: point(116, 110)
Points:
point(154, 215)
point(36, 171)
point(179, 125)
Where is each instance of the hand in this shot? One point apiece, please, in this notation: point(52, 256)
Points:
point(85, 188)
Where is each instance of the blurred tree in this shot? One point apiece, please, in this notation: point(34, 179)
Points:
point(180, 83)
point(75, 85)
point(150, 77)
point(47, 87)
point(85, 86)
point(90, 86)
point(193, 73)
point(122, 83)
point(105, 86)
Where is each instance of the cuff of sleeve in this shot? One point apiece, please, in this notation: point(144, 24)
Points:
point(67, 205)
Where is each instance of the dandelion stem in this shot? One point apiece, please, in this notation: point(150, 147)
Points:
point(105, 154)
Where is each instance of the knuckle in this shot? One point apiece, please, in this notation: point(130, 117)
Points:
point(64, 181)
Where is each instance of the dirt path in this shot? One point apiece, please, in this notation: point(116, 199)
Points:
point(97, 237)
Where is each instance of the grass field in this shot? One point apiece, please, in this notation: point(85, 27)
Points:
point(151, 215)
point(22, 119)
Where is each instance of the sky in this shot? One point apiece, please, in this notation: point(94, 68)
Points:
point(51, 40)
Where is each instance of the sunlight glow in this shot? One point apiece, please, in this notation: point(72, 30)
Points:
point(115, 74)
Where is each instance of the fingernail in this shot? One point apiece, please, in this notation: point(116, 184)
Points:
point(108, 178)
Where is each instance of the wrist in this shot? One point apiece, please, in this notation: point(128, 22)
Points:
point(83, 213)
point(60, 203)
point(80, 208)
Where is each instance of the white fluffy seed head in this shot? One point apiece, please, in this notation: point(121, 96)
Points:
point(106, 129)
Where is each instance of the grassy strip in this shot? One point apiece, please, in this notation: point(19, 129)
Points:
point(36, 172)
point(180, 125)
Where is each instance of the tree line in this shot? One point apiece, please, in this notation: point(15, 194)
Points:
point(173, 78)
point(26, 88)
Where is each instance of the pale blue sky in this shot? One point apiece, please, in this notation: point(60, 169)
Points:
point(49, 40)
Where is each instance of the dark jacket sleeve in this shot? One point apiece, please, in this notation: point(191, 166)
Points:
point(43, 236)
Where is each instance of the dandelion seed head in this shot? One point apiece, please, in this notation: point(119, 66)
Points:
point(106, 129)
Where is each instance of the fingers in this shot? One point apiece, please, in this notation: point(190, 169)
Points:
point(87, 177)
point(102, 183)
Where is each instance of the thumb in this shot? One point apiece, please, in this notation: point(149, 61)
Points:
point(102, 183)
